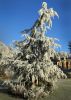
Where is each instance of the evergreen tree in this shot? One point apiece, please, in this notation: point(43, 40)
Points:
point(34, 72)
point(0, 55)
point(69, 45)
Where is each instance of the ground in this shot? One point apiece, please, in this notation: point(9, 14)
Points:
point(63, 92)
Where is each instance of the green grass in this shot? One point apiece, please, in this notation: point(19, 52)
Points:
point(4, 96)
point(63, 92)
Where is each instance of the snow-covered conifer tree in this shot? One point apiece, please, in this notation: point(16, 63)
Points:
point(34, 72)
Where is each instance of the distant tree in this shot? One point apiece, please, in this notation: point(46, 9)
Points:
point(0, 55)
point(69, 46)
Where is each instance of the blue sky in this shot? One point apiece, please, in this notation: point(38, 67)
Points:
point(16, 15)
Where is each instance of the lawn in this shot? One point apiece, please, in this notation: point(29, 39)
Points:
point(63, 92)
